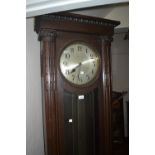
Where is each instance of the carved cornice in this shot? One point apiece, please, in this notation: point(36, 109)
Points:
point(80, 19)
point(69, 22)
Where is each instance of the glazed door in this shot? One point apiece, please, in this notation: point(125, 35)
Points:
point(80, 123)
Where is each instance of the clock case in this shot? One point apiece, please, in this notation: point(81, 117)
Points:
point(91, 131)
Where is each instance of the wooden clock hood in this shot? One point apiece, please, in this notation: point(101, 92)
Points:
point(75, 23)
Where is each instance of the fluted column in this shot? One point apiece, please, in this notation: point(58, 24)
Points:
point(48, 73)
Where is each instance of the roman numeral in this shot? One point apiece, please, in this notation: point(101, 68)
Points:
point(73, 77)
point(87, 77)
point(67, 55)
point(92, 71)
point(67, 72)
point(91, 56)
point(79, 48)
point(72, 50)
point(65, 63)
point(79, 79)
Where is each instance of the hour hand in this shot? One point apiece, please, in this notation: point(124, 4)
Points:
point(74, 69)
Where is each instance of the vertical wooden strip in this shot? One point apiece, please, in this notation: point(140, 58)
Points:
point(53, 106)
point(48, 82)
point(106, 97)
point(46, 87)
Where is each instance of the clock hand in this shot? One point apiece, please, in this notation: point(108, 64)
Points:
point(82, 63)
point(88, 61)
point(71, 67)
point(74, 69)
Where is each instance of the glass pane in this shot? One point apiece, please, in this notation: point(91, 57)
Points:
point(80, 123)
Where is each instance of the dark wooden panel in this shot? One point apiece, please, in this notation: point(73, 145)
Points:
point(68, 126)
point(80, 135)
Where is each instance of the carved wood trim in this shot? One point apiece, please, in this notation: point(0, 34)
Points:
point(79, 19)
point(75, 23)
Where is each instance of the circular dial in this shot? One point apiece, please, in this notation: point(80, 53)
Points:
point(79, 63)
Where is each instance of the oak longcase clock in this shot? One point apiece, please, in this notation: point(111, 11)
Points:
point(76, 83)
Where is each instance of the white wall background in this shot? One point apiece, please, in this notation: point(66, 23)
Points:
point(40, 7)
point(34, 125)
point(118, 12)
point(120, 62)
point(120, 70)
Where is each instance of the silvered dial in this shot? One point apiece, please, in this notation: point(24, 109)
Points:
point(79, 63)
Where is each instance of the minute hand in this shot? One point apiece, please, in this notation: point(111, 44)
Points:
point(81, 63)
point(87, 61)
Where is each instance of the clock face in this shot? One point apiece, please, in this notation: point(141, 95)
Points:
point(79, 63)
